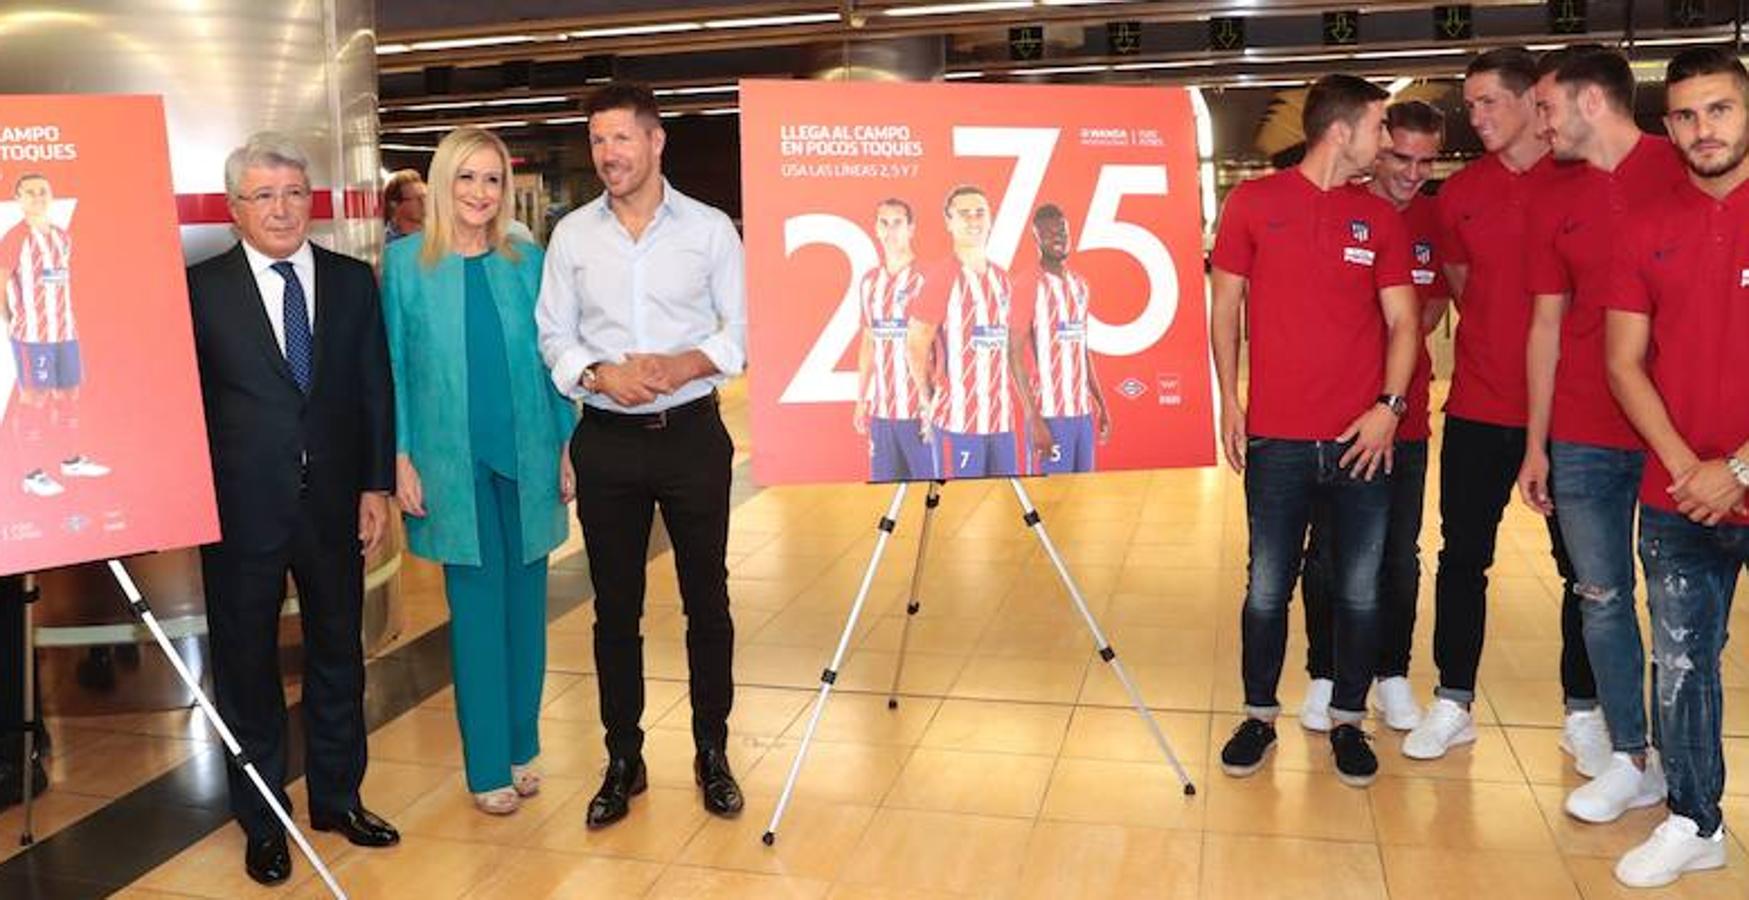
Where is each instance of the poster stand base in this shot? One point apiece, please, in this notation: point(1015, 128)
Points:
point(889, 522)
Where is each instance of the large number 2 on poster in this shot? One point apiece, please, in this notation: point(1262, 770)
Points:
point(816, 380)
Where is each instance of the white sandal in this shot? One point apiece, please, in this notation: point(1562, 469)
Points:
point(500, 802)
point(525, 779)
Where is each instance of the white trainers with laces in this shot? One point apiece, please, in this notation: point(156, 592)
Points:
point(1315, 712)
point(1617, 789)
point(1674, 848)
point(83, 467)
point(1394, 698)
point(1446, 725)
point(1586, 738)
point(39, 484)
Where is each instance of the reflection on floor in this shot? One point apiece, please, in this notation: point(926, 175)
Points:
point(1011, 767)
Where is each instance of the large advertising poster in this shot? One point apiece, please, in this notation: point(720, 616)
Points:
point(952, 281)
point(103, 447)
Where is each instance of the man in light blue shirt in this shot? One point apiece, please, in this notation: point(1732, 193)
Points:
point(642, 314)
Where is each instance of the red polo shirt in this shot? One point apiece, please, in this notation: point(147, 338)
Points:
point(1685, 263)
point(1427, 270)
point(1574, 226)
point(1315, 261)
point(1483, 212)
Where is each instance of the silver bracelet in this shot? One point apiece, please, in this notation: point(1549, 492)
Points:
point(1739, 470)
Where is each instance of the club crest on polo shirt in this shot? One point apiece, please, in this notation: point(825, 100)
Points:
point(1359, 229)
point(1423, 252)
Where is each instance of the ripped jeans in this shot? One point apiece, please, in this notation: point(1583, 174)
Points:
point(1691, 572)
point(1595, 489)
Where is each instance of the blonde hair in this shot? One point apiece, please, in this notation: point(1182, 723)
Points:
point(439, 230)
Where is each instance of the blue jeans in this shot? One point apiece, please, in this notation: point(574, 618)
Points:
point(1284, 481)
point(1691, 572)
point(1399, 576)
point(1595, 490)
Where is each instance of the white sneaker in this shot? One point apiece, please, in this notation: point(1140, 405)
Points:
point(1315, 712)
point(83, 467)
point(1394, 698)
point(1586, 738)
point(1446, 725)
point(1674, 848)
point(39, 484)
point(1619, 788)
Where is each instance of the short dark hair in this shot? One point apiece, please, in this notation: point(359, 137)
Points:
point(1337, 98)
point(1603, 68)
point(631, 95)
point(963, 190)
point(28, 176)
point(1047, 212)
point(901, 204)
point(1697, 61)
point(1514, 66)
point(1418, 116)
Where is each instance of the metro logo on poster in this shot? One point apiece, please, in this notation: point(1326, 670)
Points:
point(1002, 265)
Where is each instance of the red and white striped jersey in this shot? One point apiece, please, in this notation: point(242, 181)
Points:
point(972, 310)
point(884, 298)
point(39, 295)
point(1055, 308)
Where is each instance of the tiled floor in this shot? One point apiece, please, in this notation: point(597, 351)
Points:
point(1012, 767)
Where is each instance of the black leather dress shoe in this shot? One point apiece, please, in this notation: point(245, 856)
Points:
point(722, 796)
point(625, 779)
point(360, 826)
point(267, 860)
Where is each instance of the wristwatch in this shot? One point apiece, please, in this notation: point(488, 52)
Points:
point(1739, 470)
point(1395, 403)
point(589, 379)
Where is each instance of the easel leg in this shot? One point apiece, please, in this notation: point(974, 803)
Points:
point(912, 603)
point(144, 610)
point(1034, 522)
point(27, 766)
point(828, 677)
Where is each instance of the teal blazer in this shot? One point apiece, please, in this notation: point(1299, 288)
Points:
point(424, 311)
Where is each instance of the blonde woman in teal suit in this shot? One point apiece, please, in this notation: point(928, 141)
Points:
point(481, 473)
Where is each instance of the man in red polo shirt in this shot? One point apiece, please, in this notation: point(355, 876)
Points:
point(1320, 269)
point(1677, 327)
point(1417, 130)
point(1585, 99)
point(1484, 214)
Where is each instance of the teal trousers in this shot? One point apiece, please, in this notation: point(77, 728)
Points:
point(498, 640)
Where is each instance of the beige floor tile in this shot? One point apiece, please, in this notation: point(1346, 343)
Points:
point(1188, 688)
point(119, 763)
point(863, 718)
point(1452, 873)
point(1527, 702)
point(661, 822)
point(1060, 638)
point(1289, 804)
point(771, 665)
point(669, 755)
point(1120, 734)
point(429, 869)
point(1236, 867)
point(991, 784)
point(571, 652)
point(1124, 793)
point(813, 841)
point(996, 727)
point(425, 736)
point(1539, 755)
point(1473, 815)
point(867, 892)
point(448, 811)
point(684, 883)
point(930, 633)
point(925, 674)
point(832, 772)
point(580, 702)
point(1490, 758)
point(534, 874)
point(1027, 680)
point(933, 851)
point(213, 867)
point(1067, 860)
point(758, 711)
point(1607, 841)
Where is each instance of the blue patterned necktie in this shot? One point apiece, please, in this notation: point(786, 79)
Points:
point(298, 342)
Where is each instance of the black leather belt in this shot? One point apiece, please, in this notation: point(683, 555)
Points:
point(653, 421)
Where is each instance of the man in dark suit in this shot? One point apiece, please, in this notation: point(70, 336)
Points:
point(294, 371)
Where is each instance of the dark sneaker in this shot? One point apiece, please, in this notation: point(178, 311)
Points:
point(1247, 747)
point(1355, 763)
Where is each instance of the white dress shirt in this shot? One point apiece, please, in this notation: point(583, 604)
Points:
point(678, 287)
point(272, 286)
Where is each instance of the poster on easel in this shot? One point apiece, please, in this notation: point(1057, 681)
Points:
point(964, 281)
point(103, 449)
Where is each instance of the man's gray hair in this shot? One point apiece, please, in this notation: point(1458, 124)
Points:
point(264, 148)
